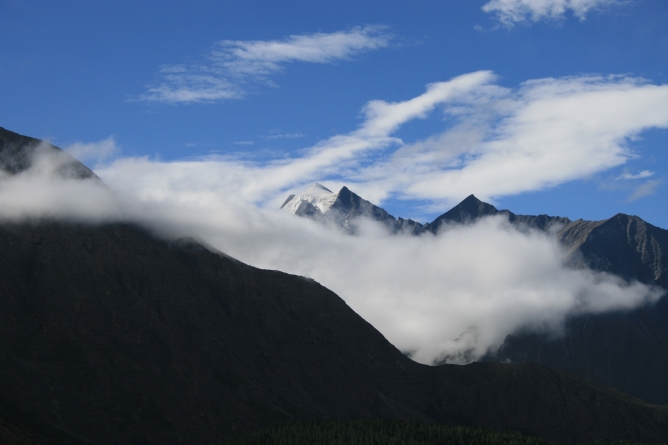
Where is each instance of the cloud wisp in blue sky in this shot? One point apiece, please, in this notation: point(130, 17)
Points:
point(233, 66)
point(511, 12)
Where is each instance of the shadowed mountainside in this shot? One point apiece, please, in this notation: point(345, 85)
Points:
point(624, 350)
point(18, 152)
point(120, 338)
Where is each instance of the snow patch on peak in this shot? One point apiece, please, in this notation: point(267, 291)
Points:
point(317, 195)
point(317, 189)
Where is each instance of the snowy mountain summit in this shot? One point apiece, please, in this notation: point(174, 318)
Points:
point(343, 209)
point(315, 200)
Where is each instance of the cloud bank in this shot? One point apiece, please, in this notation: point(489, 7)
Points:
point(234, 66)
point(510, 12)
point(446, 298)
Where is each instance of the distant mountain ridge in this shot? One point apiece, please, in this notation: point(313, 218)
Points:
point(343, 208)
point(623, 245)
point(625, 350)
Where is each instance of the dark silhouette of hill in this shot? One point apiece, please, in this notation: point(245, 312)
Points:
point(18, 152)
point(119, 337)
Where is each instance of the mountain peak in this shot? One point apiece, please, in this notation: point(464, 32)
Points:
point(467, 211)
point(316, 187)
point(313, 200)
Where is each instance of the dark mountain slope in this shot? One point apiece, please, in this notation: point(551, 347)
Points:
point(471, 209)
point(17, 154)
point(626, 246)
point(18, 428)
point(625, 350)
point(349, 206)
point(123, 338)
point(467, 211)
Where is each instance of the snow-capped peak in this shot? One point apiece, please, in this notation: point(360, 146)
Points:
point(314, 199)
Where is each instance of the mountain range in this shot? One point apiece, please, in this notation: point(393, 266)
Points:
point(110, 334)
point(626, 350)
point(343, 209)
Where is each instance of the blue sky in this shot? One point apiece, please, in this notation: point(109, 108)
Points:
point(542, 106)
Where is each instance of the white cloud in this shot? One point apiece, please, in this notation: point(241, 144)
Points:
point(509, 12)
point(497, 142)
point(235, 65)
point(452, 296)
point(646, 189)
point(94, 151)
point(268, 182)
point(639, 175)
point(545, 133)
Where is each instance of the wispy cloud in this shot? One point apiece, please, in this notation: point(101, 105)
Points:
point(285, 136)
point(510, 12)
point(243, 142)
point(646, 189)
point(234, 66)
point(640, 175)
point(94, 151)
point(341, 156)
point(497, 142)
